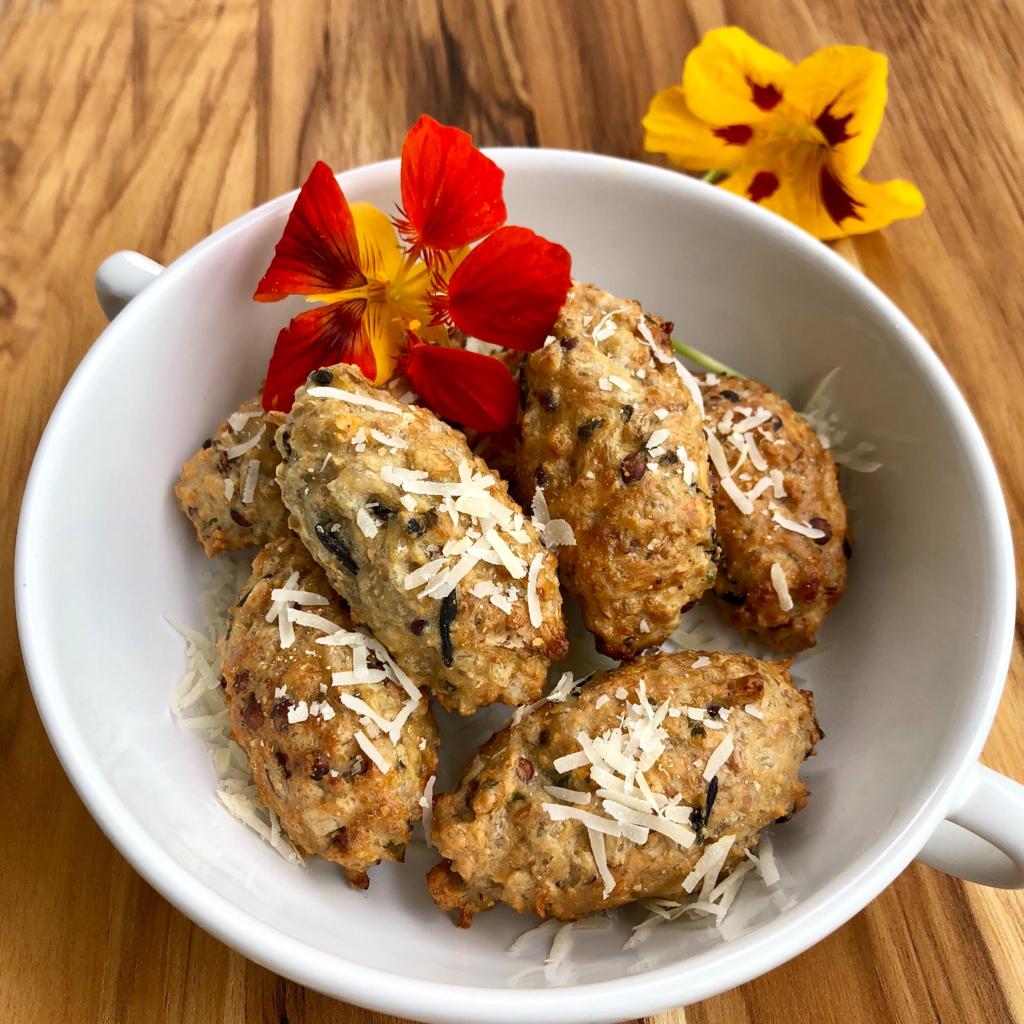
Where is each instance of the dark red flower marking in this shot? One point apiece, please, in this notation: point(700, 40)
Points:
point(468, 388)
point(451, 192)
point(763, 185)
point(832, 127)
point(765, 97)
point(319, 337)
point(735, 134)
point(318, 252)
point(838, 202)
point(508, 290)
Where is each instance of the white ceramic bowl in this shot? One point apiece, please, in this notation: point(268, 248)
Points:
point(907, 677)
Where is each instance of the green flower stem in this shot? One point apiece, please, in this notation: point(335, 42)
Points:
point(713, 177)
point(703, 359)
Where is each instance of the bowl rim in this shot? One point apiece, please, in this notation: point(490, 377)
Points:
point(690, 980)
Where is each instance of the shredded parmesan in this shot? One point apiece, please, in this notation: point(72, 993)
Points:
point(572, 796)
point(367, 524)
point(597, 848)
point(738, 496)
point(238, 420)
point(718, 457)
point(718, 756)
point(692, 385)
point(804, 529)
point(354, 399)
point(252, 474)
point(532, 597)
point(238, 450)
point(370, 751)
point(781, 587)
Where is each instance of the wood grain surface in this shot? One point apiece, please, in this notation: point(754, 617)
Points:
point(147, 124)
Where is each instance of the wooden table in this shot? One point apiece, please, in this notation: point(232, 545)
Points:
point(148, 124)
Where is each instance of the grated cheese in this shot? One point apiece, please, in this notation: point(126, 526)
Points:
point(353, 399)
point(516, 566)
point(238, 420)
point(597, 848)
point(692, 385)
point(367, 524)
point(804, 529)
point(371, 751)
point(718, 457)
point(709, 865)
point(738, 496)
point(288, 595)
point(606, 326)
point(759, 417)
point(759, 488)
point(532, 598)
point(252, 474)
point(719, 755)
point(301, 618)
point(562, 688)
point(572, 796)
point(545, 928)
point(781, 587)
point(767, 868)
point(568, 762)
point(394, 443)
point(560, 812)
point(238, 450)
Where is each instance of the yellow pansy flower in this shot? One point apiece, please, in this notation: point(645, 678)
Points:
point(793, 138)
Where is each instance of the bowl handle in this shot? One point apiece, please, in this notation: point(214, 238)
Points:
point(121, 277)
point(982, 838)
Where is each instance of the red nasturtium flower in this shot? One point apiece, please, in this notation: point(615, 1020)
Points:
point(451, 192)
point(385, 307)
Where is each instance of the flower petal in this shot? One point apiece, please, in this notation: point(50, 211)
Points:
point(380, 254)
point(877, 204)
point(451, 192)
point(814, 195)
point(467, 388)
point(730, 78)
point(842, 91)
point(509, 289)
point(689, 142)
point(790, 189)
point(385, 331)
point(319, 337)
point(317, 252)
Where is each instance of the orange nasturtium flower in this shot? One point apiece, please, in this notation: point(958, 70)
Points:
point(793, 138)
point(390, 290)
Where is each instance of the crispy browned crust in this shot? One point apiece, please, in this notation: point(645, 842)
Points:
point(229, 525)
point(331, 799)
point(499, 844)
point(326, 481)
point(815, 572)
point(644, 536)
